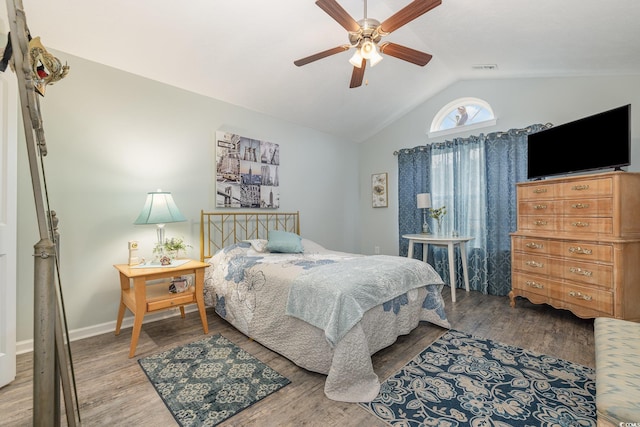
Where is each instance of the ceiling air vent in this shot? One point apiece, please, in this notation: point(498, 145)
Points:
point(484, 67)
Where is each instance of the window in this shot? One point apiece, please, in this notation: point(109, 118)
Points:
point(461, 115)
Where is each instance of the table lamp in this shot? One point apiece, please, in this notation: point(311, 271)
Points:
point(424, 203)
point(159, 209)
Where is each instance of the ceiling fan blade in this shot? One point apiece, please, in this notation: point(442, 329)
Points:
point(407, 14)
point(358, 74)
point(405, 53)
point(320, 55)
point(334, 10)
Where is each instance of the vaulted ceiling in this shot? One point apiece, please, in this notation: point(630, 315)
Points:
point(242, 51)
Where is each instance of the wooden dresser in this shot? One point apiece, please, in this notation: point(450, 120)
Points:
point(578, 244)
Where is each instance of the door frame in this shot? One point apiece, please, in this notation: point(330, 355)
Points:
point(8, 224)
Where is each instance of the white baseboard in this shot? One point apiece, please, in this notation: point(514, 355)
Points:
point(109, 327)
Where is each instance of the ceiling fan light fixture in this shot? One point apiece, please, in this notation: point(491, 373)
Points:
point(375, 57)
point(367, 49)
point(356, 59)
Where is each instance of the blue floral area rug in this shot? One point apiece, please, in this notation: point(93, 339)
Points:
point(208, 381)
point(462, 380)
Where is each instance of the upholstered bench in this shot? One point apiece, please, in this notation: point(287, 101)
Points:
point(617, 371)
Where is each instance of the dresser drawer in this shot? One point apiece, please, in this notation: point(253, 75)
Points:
point(576, 250)
point(587, 207)
point(536, 246)
point(581, 226)
point(532, 263)
point(587, 251)
point(530, 283)
point(540, 207)
point(583, 272)
point(536, 192)
point(537, 223)
point(579, 188)
point(586, 297)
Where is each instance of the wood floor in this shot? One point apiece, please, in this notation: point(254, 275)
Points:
point(114, 391)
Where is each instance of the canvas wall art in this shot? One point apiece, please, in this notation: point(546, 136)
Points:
point(246, 172)
point(379, 190)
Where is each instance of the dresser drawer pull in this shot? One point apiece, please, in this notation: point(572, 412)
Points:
point(535, 264)
point(539, 207)
point(580, 205)
point(533, 245)
point(580, 224)
point(579, 250)
point(540, 190)
point(581, 272)
point(580, 295)
point(534, 284)
point(580, 187)
point(540, 222)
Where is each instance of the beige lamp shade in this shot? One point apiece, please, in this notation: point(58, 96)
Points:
point(423, 200)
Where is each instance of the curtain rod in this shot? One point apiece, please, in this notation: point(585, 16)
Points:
point(498, 134)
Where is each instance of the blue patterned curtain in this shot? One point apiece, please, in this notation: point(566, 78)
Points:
point(414, 167)
point(475, 179)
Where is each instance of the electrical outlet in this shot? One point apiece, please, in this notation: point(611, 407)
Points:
point(376, 250)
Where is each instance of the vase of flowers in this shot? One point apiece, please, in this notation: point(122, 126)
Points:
point(438, 214)
point(171, 248)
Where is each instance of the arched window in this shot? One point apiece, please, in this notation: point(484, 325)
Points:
point(461, 115)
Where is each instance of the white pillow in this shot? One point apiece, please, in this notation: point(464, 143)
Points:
point(311, 247)
point(258, 245)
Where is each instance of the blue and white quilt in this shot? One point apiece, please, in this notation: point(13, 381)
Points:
point(326, 311)
point(334, 296)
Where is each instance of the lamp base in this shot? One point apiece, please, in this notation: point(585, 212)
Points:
point(425, 229)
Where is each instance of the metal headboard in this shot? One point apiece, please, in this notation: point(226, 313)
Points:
point(220, 229)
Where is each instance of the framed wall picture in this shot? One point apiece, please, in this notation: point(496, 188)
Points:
point(246, 172)
point(379, 193)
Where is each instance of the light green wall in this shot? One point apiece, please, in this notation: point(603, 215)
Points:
point(517, 103)
point(113, 136)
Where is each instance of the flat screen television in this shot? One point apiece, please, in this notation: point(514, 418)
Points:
point(597, 142)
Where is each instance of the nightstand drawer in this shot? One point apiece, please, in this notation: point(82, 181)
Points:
point(174, 302)
point(159, 297)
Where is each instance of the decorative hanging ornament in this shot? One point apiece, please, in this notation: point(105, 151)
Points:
point(47, 69)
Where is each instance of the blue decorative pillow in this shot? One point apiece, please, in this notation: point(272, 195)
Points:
point(283, 241)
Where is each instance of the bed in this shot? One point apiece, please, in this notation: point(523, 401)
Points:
point(275, 287)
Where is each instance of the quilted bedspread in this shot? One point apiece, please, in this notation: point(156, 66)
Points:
point(363, 282)
point(250, 289)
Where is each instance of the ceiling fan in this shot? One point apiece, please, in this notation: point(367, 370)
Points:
point(365, 35)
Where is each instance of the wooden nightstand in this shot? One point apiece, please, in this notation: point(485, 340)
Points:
point(141, 298)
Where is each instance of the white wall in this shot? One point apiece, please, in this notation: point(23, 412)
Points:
point(113, 136)
point(517, 103)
